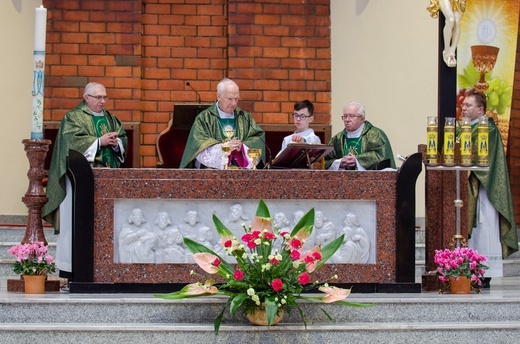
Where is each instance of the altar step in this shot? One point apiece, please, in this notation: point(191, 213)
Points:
point(131, 318)
point(13, 234)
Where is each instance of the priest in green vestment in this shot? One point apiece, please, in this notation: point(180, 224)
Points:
point(91, 130)
point(207, 135)
point(360, 146)
point(492, 227)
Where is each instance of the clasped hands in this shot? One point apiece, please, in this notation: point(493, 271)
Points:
point(109, 139)
point(235, 144)
point(348, 161)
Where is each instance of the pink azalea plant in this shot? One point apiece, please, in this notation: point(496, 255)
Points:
point(32, 259)
point(461, 261)
point(272, 269)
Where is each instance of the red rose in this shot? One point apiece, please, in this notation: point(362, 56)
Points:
point(216, 262)
point(228, 243)
point(304, 278)
point(239, 275)
point(277, 284)
point(295, 255)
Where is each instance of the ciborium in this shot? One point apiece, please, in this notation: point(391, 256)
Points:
point(484, 59)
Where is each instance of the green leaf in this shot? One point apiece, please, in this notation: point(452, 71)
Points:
point(329, 250)
point(262, 210)
point(271, 309)
point(306, 223)
point(218, 320)
point(222, 230)
point(236, 302)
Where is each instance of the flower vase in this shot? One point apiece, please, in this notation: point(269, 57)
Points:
point(259, 317)
point(34, 284)
point(460, 286)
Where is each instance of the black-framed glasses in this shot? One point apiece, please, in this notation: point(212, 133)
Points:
point(350, 116)
point(296, 116)
point(98, 98)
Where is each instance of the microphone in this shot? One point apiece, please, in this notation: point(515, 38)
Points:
point(198, 95)
point(269, 158)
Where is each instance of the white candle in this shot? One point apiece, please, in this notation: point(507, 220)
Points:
point(40, 28)
point(40, 31)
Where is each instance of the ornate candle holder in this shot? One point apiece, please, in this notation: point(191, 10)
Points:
point(484, 59)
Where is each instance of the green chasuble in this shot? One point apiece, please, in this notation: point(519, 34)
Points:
point(375, 147)
point(79, 129)
point(206, 131)
point(498, 188)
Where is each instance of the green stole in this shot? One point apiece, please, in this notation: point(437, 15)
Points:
point(224, 122)
point(101, 125)
point(352, 146)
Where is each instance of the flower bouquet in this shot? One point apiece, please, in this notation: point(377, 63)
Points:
point(32, 259)
point(272, 271)
point(461, 261)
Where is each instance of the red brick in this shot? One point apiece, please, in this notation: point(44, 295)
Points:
point(92, 49)
point(101, 60)
point(101, 38)
point(91, 70)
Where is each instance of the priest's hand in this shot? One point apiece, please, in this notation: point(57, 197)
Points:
point(236, 145)
point(348, 161)
point(109, 139)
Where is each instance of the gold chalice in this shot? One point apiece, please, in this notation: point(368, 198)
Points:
point(226, 149)
point(254, 154)
point(484, 59)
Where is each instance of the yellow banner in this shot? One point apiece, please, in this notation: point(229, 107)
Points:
point(486, 55)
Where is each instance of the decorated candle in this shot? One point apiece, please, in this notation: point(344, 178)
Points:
point(40, 29)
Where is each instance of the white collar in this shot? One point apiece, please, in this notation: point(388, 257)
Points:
point(223, 114)
point(356, 133)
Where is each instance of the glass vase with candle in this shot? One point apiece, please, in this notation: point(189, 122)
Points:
point(465, 141)
point(449, 141)
point(431, 140)
point(483, 141)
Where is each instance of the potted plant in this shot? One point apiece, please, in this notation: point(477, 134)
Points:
point(460, 264)
point(33, 263)
point(271, 273)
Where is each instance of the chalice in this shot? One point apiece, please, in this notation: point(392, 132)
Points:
point(254, 154)
point(229, 133)
point(484, 59)
point(226, 149)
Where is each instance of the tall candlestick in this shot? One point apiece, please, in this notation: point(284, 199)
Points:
point(40, 30)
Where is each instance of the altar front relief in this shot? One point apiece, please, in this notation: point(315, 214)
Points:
point(142, 215)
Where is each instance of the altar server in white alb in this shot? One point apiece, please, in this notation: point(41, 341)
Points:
point(303, 116)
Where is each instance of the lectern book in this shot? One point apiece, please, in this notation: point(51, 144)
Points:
point(301, 155)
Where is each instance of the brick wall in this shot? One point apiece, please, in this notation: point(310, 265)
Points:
point(144, 52)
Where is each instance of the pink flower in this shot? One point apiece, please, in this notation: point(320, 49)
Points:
point(239, 275)
point(295, 243)
point(247, 237)
point(216, 262)
point(261, 223)
point(269, 236)
point(199, 288)
point(333, 294)
point(277, 284)
point(304, 278)
point(228, 243)
point(274, 261)
point(312, 258)
point(206, 261)
point(251, 244)
point(295, 255)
